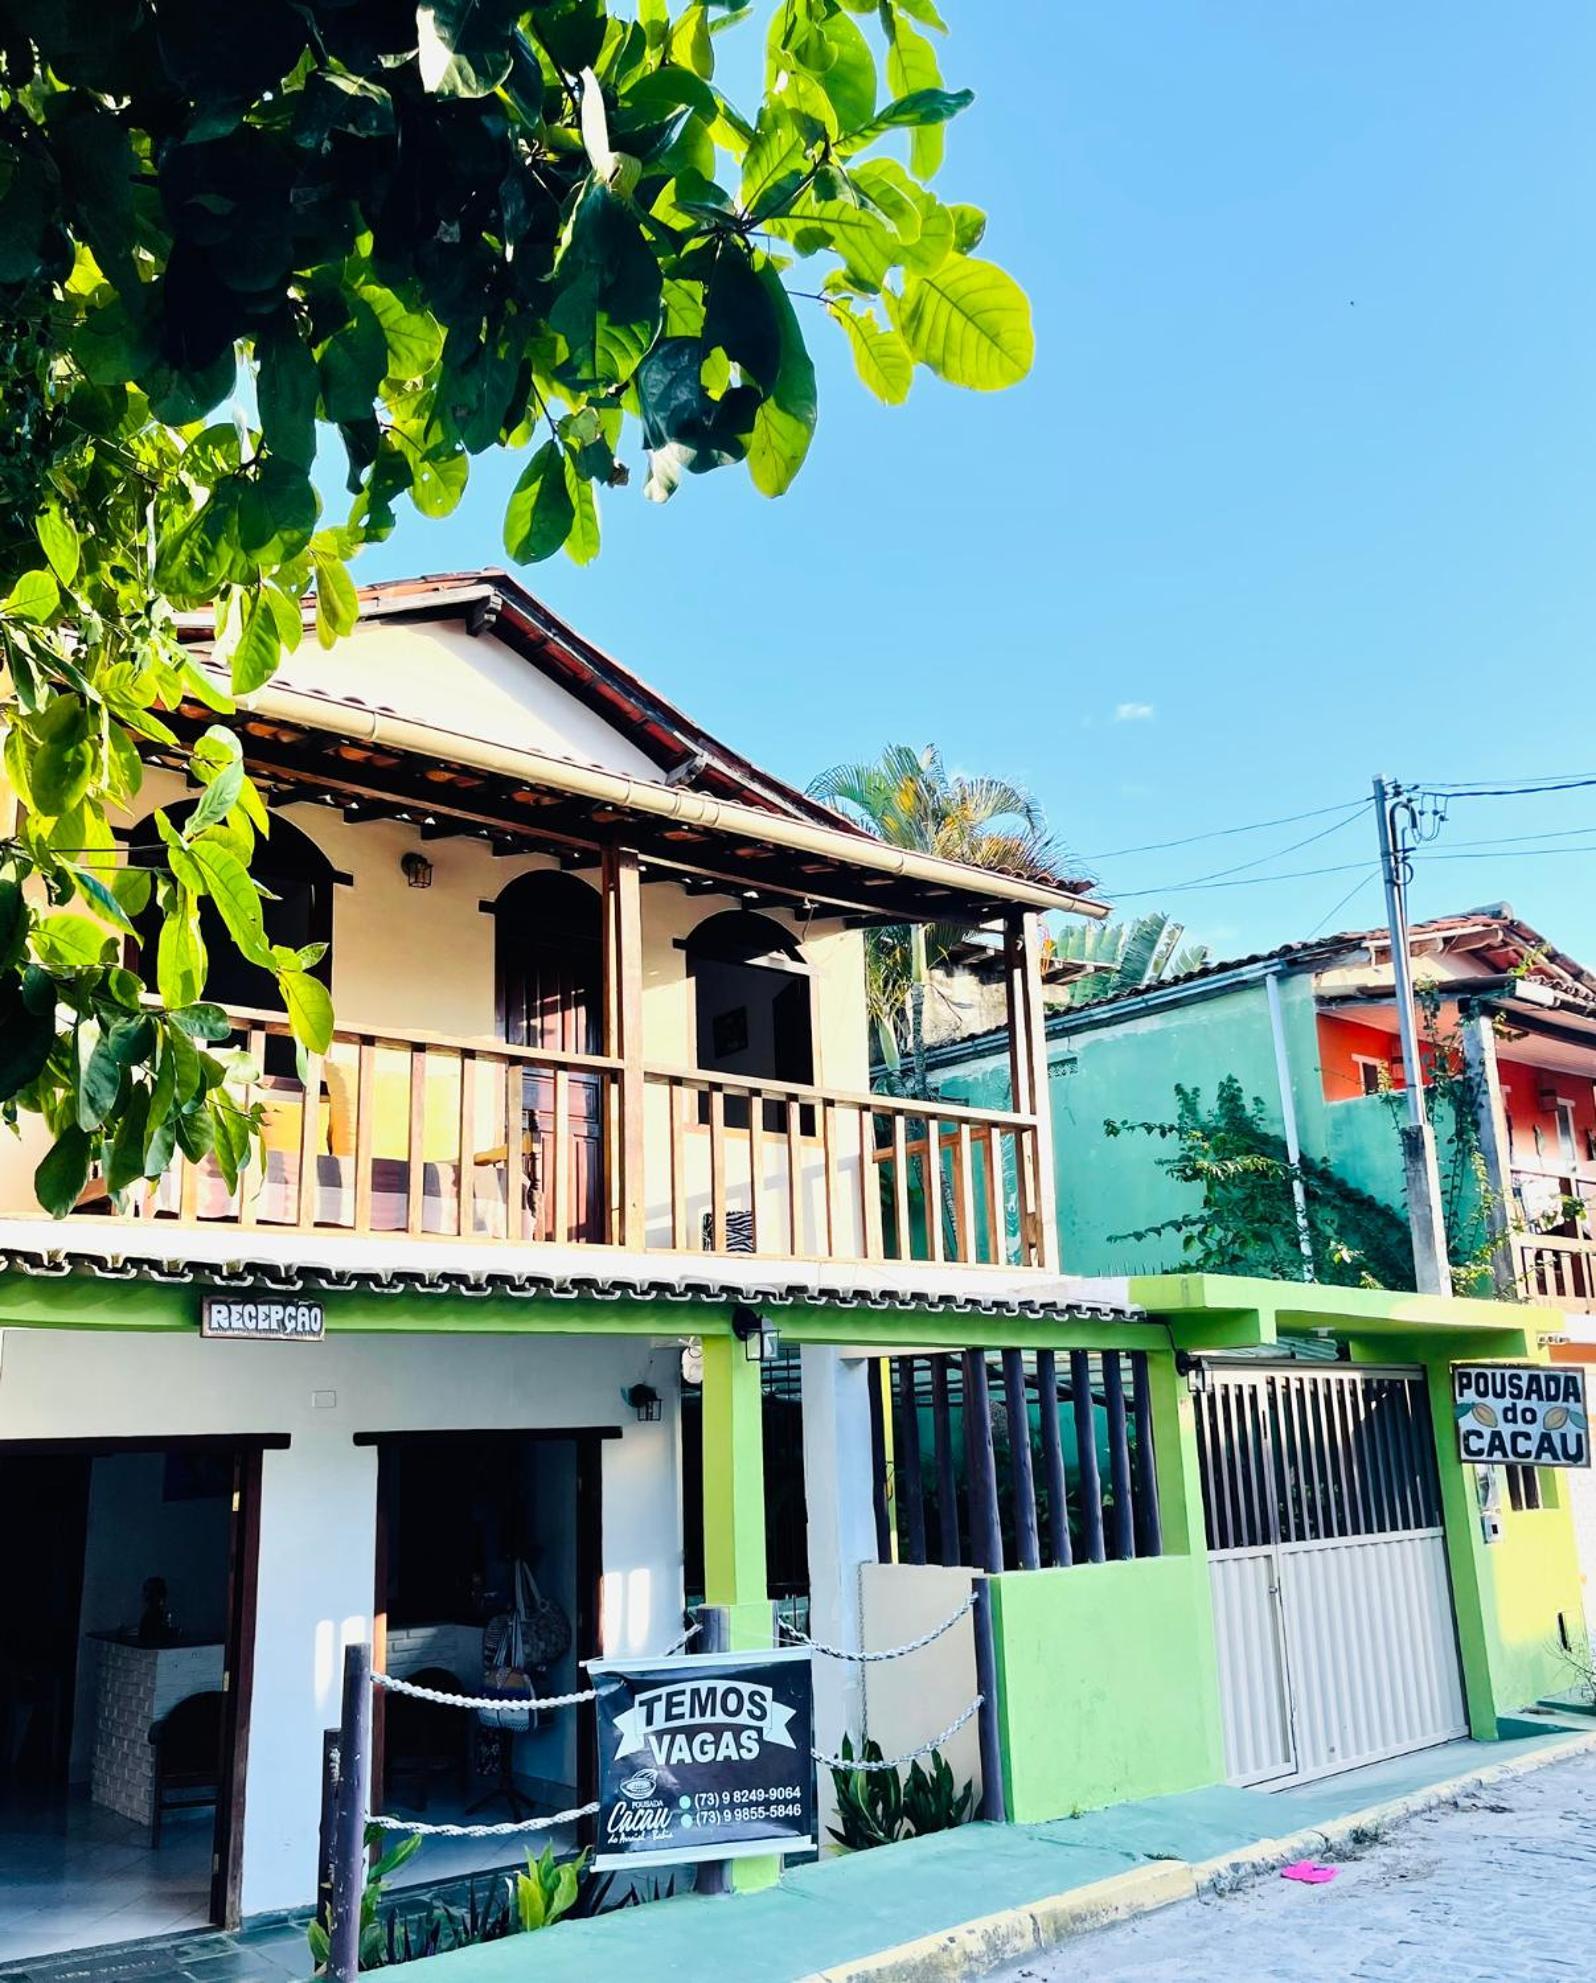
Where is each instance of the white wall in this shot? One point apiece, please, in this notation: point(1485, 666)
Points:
point(318, 1506)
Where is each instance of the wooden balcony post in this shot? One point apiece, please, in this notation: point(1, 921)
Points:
point(623, 1041)
point(1038, 1200)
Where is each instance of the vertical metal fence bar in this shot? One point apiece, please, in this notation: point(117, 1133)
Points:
point(910, 1480)
point(1119, 1456)
point(980, 1465)
point(1058, 1514)
point(947, 1470)
point(1022, 1471)
point(1149, 1521)
point(349, 1821)
point(994, 1805)
point(1086, 1453)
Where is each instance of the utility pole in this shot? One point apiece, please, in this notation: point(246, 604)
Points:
point(1421, 1175)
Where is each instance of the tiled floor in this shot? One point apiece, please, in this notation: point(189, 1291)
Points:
point(73, 1875)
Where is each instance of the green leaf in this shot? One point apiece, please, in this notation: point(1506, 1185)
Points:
point(180, 961)
point(353, 365)
point(970, 322)
point(58, 1182)
point(969, 225)
point(99, 1077)
point(68, 942)
point(464, 46)
point(59, 538)
point(880, 356)
point(337, 602)
point(124, 1163)
point(66, 755)
point(217, 800)
point(913, 72)
point(582, 545)
point(228, 884)
point(785, 422)
point(739, 317)
point(414, 338)
point(540, 513)
point(309, 1009)
point(13, 926)
point(35, 596)
point(26, 1037)
point(849, 79)
point(690, 44)
point(255, 655)
point(286, 386)
point(438, 481)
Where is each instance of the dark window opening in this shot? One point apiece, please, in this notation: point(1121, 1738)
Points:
point(753, 1011)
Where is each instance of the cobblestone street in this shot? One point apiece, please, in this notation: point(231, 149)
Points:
point(1501, 1886)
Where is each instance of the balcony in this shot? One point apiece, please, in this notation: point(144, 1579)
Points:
point(1557, 1271)
point(456, 1140)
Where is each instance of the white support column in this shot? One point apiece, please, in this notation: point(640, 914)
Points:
point(838, 1493)
point(1490, 1118)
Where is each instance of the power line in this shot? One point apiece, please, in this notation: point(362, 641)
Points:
point(1512, 853)
point(1275, 854)
point(1217, 833)
point(1251, 881)
point(1523, 790)
point(1357, 888)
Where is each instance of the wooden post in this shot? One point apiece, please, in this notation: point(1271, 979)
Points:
point(349, 1820)
point(947, 1475)
point(1119, 1457)
point(714, 1876)
point(1149, 1522)
point(1028, 1067)
point(1023, 1475)
point(986, 1527)
point(1086, 1453)
point(1059, 1551)
point(325, 1829)
point(623, 1014)
point(911, 1483)
point(994, 1805)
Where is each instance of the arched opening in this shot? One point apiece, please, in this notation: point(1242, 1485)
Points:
point(752, 1006)
point(297, 910)
point(549, 993)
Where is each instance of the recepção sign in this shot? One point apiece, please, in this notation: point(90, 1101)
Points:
point(1521, 1414)
point(704, 1758)
point(258, 1319)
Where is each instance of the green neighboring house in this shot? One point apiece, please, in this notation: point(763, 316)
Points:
point(1308, 1035)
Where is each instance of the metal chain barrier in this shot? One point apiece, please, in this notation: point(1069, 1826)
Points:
point(892, 1652)
point(910, 1756)
point(481, 1703)
point(482, 1831)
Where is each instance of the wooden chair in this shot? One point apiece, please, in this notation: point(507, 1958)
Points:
point(188, 1758)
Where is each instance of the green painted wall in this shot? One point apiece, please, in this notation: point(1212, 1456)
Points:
point(1104, 1689)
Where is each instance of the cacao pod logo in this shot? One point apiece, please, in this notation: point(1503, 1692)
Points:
point(1485, 1413)
point(1556, 1418)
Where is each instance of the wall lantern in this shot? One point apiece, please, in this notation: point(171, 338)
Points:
point(644, 1400)
point(761, 1343)
point(416, 869)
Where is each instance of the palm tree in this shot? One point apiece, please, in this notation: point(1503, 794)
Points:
point(909, 798)
point(1124, 956)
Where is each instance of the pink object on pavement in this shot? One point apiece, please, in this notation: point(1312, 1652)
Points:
point(1309, 1872)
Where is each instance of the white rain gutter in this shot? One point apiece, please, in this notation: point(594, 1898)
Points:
point(619, 789)
point(1288, 1120)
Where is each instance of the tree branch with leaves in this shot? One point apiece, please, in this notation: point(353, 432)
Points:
point(431, 231)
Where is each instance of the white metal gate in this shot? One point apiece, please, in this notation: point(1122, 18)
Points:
point(1332, 1602)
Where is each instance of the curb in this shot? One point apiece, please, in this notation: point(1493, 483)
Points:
point(977, 1947)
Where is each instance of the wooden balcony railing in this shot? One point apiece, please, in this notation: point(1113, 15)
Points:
point(807, 1173)
point(432, 1136)
point(1558, 1271)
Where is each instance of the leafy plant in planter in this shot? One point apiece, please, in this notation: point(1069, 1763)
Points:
point(548, 1889)
point(880, 1806)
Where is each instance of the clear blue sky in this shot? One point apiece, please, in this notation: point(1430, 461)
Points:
point(1301, 488)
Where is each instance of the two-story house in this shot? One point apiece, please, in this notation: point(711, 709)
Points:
point(596, 1117)
point(1309, 1031)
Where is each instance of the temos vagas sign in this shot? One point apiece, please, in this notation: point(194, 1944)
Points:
point(704, 1758)
point(1521, 1414)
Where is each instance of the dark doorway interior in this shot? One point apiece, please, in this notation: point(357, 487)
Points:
point(127, 1574)
point(549, 973)
point(458, 1512)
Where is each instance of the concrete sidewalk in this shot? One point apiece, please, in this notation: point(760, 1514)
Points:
point(962, 1902)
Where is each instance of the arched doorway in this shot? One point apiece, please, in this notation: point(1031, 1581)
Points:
point(297, 910)
point(752, 1006)
point(549, 993)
